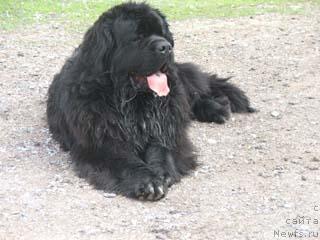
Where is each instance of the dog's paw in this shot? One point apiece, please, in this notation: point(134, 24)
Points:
point(144, 184)
point(152, 189)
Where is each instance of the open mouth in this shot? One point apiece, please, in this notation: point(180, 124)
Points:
point(138, 77)
point(157, 81)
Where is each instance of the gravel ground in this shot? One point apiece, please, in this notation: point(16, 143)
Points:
point(258, 172)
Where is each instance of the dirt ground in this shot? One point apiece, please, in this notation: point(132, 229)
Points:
point(259, 173)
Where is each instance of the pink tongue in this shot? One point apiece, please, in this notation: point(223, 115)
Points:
point(158, 83)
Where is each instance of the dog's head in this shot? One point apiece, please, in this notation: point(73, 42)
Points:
point(131, 41)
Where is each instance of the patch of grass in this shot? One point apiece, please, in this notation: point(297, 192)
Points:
point(15, 13)
point(228, 8)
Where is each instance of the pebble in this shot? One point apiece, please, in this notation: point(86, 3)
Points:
point(109, 195)
point(311, 168)
point(4, 111)
point(89, 231)
point(275, 114)
point(212, 141)
point(286, 205)
point(273, 199)
point(264, 175)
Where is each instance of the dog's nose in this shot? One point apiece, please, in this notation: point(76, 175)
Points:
point(164, 47)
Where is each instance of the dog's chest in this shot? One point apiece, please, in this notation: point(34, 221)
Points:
point(154, 121)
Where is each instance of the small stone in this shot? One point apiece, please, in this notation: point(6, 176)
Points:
point(287, 205)
point(272, 199)
point(311, 168)
point(303, 178)
point(109, 195)
point(212, 141)
point(20, 54)
point(293, 103)
point(174, 212)
point(264, 175)
point(315, 159)
point(275, 114)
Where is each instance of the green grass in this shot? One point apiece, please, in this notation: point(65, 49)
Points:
point(14, 13)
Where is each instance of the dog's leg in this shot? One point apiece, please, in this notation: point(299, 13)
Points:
point(172, 165)
point(116, 168)
point(211, 98)
point(161, 161)
point(222, 99)
point(208, 109)
point(220, 89)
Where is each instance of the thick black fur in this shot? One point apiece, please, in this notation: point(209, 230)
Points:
point(121, 136)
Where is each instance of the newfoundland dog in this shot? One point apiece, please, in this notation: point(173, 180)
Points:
point(121, 104)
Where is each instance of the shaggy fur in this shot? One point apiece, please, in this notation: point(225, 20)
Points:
point(120, 134)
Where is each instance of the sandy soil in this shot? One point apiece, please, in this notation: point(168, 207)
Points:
point(258, 172)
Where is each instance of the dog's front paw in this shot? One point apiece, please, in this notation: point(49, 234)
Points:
point(144, 185)
point(152, 191)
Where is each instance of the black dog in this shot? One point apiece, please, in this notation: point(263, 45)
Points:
point(121, 104)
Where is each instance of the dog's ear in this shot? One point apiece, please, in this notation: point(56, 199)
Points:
point(165, 24)
point(169, 35)
point(97, 46)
